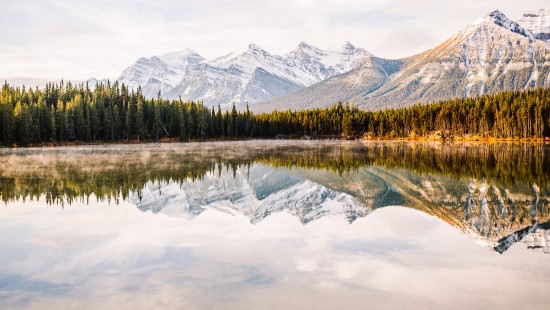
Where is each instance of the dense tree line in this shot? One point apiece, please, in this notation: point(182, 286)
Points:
point(111, 112)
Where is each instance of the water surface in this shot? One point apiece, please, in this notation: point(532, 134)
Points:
point(276, 224)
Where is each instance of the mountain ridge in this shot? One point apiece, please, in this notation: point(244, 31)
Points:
point(250, 76)
point(492, 54)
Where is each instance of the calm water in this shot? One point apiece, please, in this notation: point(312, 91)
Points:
point(276, 225)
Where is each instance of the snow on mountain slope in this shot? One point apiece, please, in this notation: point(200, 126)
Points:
point(538, 23)
point(538, 240)
point(493, 54)
point(256, 57)
point(310, 201)
point(369, 75)
point(252, 76)
point(324, 64)
point(491, 215)
point(246, 77)
point(159, 73)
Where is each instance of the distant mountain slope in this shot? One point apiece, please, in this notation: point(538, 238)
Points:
point(492, 54)
point(251, 76)
point(369, 76)
point(161, 73)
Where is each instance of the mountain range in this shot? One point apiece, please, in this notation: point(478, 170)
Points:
point(492, 54)
point(252, 76)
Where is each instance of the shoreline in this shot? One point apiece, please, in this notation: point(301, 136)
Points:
point(543, 141)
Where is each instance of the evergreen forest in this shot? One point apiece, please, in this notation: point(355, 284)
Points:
point(110, 112)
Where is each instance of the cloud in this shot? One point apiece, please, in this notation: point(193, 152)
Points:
point(413, 39)
point(81, 39)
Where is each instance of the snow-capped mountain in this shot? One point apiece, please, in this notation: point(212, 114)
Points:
point(251, 76)
point(492, 54)
point(370, 75)
point(492, 214)
point(326, 63)
point(539, 239)
point(248, 77)
point(538, 23)
point(161, 73)
point(536, 237)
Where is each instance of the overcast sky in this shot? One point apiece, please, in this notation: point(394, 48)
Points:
point(81, 39)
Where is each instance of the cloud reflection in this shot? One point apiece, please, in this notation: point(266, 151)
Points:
point(95, 255)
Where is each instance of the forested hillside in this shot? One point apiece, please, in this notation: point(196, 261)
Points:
point(110, 113)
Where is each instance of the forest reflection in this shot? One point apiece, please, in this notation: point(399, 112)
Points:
point(62, 175)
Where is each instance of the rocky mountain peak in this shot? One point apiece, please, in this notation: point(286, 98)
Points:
point(497, 14)
point(184, 57)
point(304, 49)
point(304, 45)
point(494, 53)
point(346, 46)
point(150, 61)
point(498, 18)
point(254, 48)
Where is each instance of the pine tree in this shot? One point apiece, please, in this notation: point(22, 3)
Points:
point(233, 121)
point(157, 123)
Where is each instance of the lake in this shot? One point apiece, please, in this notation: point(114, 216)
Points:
point(276, 225)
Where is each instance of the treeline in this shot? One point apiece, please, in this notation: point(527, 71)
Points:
point(111, 112)
point(108, 113)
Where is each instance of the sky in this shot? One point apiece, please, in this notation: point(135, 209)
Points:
point(75, 39)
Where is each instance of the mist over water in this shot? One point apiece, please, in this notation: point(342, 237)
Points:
point(275, 224)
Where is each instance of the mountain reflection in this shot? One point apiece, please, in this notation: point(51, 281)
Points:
point(494, 193)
